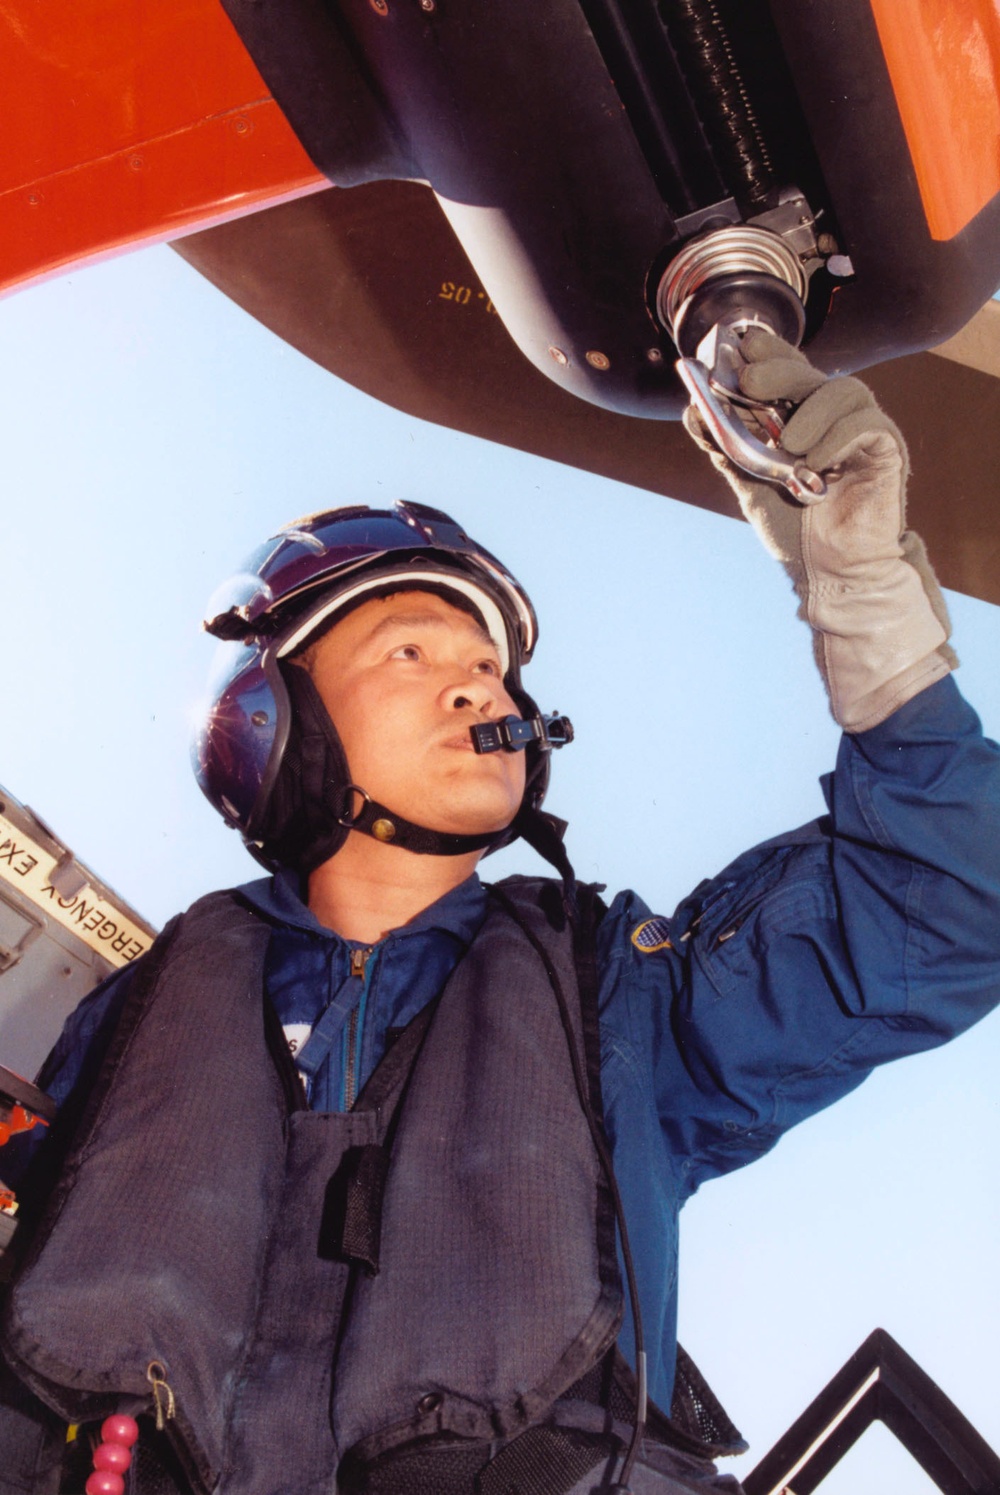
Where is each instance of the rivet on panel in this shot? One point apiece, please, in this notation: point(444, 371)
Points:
point(598, 360)
point(558, 355)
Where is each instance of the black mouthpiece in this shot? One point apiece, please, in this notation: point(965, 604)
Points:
point(514, 733)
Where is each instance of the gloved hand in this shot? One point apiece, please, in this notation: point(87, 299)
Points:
point(866, 588)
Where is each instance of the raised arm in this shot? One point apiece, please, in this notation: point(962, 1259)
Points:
point(876, 932)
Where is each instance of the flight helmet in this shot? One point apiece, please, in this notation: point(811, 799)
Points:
point(266, 753)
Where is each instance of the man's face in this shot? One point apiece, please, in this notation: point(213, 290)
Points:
point(404, 678)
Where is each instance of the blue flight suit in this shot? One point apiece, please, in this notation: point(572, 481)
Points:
point(773, 990)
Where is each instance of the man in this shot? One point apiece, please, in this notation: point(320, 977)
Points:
point(410, 1222)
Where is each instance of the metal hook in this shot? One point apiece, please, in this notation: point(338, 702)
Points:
point(734, 440)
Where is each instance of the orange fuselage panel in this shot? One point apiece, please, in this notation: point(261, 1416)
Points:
point(123, 123)
point(944, 63)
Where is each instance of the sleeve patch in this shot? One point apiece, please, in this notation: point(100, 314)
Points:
point(652, 935)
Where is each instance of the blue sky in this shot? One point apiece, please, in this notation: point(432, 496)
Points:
point(153, 434)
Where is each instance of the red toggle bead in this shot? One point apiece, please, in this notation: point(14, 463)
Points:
point(120, 1429)
point(105, 1482)
point(112, 1456)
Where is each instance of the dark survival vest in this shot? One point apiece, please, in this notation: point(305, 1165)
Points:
point(430, 1274)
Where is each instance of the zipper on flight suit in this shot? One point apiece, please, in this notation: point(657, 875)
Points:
point(359, 967)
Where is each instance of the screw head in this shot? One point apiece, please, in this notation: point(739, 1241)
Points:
point(259, 718)
point(558, 355)
point(598, 360)
point(654, 355)
point(428, 5)
point(379, 7)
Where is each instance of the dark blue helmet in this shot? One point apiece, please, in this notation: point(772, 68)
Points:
point(255, 754)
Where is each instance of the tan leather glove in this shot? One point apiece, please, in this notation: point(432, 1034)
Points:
point(879, 621)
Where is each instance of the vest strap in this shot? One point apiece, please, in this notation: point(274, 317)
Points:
point(544, 1461)
point(360, 1187)
point(541, 1461)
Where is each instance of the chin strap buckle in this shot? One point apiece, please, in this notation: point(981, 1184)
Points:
point(514, 733)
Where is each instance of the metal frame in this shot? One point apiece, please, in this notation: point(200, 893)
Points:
point(879, 1381)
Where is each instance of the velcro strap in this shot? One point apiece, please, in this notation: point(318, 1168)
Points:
point(363, 1175)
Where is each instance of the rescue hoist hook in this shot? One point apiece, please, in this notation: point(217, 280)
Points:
point(714, 291)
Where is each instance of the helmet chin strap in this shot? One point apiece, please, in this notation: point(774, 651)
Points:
point(385, 825)
point(542, 831)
